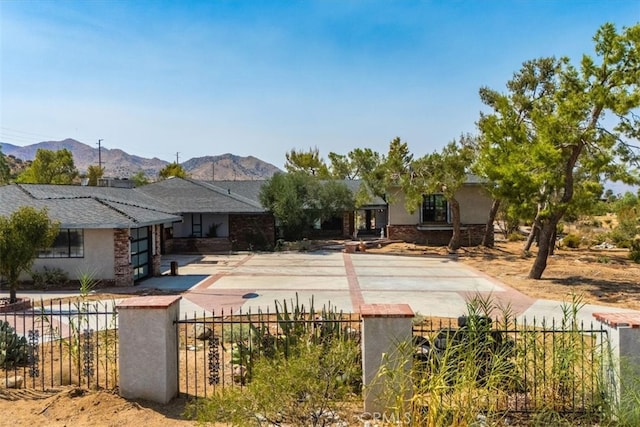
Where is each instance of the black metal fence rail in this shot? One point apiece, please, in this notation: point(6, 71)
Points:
point(526, 367)
point(220, 350)
point(56, 343)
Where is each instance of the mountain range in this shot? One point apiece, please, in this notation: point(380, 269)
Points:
point(120, 164)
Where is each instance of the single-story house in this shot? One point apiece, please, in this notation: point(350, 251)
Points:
point(431, 222)
point(112, 233)
point(119, 234)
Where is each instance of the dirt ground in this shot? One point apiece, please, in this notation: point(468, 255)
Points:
point(603, 277)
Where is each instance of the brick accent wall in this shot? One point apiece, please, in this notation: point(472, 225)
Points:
point(123, 269)
point(252, 230)
point(471, 234)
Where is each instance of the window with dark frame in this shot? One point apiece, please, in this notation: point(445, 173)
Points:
point(196, 225)
point(69, 243)
point(434, 208)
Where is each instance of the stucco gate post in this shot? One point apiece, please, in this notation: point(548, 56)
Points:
point(384, 328)
point(148, 343)
point(623, 330)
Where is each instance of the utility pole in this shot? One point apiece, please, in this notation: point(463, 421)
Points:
point(177, 158)
point(213, 171)
point(100, 154)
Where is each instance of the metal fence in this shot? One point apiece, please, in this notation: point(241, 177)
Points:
point(220, 350)
point(517, 367)
point(56, 343)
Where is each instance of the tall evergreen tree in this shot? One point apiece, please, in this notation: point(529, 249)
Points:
point(552, 143)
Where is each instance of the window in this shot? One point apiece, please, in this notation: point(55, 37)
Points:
point(434, 208)
point(196, 225)
point(69, 243)
point(140, 238)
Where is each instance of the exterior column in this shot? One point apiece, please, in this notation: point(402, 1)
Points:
point(623, 330)
point(148, 347)
point(122, 258)
point(385, 327)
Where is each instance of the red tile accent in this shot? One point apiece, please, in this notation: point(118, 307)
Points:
point(153, 301)
point(386, 310)
point(355, 293)
point(630, 320)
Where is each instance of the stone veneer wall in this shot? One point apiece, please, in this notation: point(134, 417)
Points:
point(156, 257)
point(252, 230)
point(197, 245)
point(348, 222)
point(123, 269)
point(471, 235)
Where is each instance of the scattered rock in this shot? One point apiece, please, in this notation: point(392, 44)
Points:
point(11, 382)
point(604, 245)
point(203, 332)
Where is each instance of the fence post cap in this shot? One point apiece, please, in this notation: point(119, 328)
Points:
point(386, 310)
point(627, 319)
point(152, 301)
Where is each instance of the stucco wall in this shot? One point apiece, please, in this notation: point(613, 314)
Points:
point(474, 201)
point(398, 214)
point(98, 257)
point(475, 204)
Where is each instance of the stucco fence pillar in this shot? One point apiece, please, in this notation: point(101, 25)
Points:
point(623, 330)
point(385, 328)
point(148, 343)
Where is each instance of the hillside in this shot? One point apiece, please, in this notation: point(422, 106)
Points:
point(120, 164)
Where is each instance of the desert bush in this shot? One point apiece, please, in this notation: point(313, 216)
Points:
point(310, 386)
point(571, 241)
point(461, 375)
point(295, 325)
point(620, 237)
point(634, 250)
point(515, 237)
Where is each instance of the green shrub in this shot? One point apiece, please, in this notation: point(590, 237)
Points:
point(13, 348)
point(213, 230)
point(571, 241)
point(49, 278)
point(634, 251)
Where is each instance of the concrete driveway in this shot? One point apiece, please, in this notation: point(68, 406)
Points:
point(432, 286)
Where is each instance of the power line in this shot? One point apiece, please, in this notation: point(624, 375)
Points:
point(25, 134)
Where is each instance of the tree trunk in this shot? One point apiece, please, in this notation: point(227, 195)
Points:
point(13, 297)
point(535, 229)
point(540, 263)
point(552, 241)
point(487, 239)
point(454, 243)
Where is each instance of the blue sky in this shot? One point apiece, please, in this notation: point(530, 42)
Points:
point(260, 78)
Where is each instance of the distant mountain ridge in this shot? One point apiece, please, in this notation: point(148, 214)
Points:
point(120, 164)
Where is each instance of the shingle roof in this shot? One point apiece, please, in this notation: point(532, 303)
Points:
point(251, 189)
point(85, 207)
point(191, 196)
point(354, 186)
